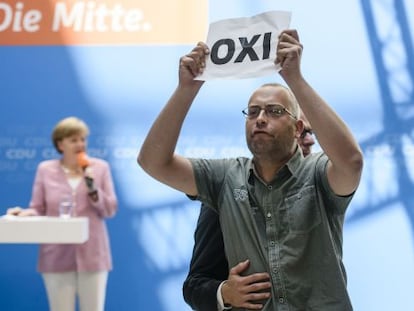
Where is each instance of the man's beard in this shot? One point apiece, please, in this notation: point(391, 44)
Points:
point(274, 149)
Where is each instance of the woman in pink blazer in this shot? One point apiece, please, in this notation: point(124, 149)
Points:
point(74, 270)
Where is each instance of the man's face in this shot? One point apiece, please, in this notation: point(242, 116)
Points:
point(271, 133)
point(306, 139)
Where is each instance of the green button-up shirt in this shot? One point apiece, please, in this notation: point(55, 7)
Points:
point(290, 228)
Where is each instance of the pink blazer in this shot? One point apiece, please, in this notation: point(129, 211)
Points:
point(49, 186)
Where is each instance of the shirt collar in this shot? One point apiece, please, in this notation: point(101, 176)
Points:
point(291, 166)
point(295, 161)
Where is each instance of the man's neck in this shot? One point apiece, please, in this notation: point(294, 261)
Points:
point(267, 168)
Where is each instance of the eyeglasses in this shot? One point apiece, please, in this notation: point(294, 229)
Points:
point(273, 111)
point(306, 132)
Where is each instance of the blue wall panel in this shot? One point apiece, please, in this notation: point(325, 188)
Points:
point(119, 90)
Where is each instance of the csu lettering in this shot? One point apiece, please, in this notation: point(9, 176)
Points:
point(247, 49)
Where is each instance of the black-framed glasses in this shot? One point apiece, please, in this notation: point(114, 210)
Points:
point(273, 111)
point(306, 132)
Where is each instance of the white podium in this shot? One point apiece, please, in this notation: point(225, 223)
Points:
point(43, 229)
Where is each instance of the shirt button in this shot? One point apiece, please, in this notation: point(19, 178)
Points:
point(272, 243)
point(269, 215)
point(281, 300)
point(270, 187)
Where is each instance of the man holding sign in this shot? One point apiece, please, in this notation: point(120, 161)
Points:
point(209, 271)
point(281, 211)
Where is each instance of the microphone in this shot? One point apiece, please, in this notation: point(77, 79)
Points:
point(83, 160)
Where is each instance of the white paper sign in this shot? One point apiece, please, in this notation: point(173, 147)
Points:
point(244, 47)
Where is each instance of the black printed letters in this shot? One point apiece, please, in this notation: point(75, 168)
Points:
point(247, 47)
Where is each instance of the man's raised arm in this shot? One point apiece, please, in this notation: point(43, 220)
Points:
point(157, 155)
point(346, 161)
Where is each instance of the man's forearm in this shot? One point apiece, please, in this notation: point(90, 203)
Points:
point(158, 148)
point(200, 292)
point(332, 133)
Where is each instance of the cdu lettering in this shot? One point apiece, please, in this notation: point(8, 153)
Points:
point(247, 49)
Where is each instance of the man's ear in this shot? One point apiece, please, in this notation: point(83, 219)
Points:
point(299, 128)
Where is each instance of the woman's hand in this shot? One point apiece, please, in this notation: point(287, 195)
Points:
point(18, 211)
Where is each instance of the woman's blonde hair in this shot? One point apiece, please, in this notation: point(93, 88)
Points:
point(66, 128)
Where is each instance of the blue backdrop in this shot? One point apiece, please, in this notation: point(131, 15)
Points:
point(356, 54)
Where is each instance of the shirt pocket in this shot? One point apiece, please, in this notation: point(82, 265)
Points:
point(302, 210)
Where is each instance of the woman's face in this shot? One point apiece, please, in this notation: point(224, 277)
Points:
point(72, 145)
